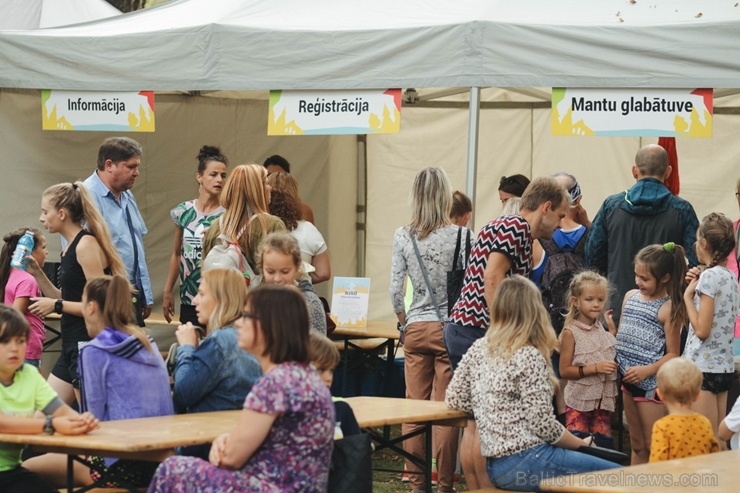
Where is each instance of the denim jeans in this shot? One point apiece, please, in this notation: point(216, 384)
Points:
point(524, 471)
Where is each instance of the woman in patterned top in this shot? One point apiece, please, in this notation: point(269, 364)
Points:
point(506, 380)
point(283, 440)
point(649, 335)
point(425, 250)
point(191, 219)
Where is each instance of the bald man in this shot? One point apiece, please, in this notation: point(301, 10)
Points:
point(645, 214)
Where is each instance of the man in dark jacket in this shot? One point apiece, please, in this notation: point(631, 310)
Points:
point(645, 214)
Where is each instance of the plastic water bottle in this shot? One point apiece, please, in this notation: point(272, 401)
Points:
point(24, 249)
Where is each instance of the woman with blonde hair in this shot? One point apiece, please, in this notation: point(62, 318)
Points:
point(89, 253)
point(424, 250)
point(286, 204)
point(506, 380)
point(213, 374)
point(246, 196)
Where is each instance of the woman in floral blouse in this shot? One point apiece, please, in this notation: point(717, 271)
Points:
point(283, 439)
point(191, 219)
point(506, 380)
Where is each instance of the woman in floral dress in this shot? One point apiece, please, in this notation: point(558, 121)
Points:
point(283, 440)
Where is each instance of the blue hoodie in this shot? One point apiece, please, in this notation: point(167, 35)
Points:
point(121, 379)
point(645, 214)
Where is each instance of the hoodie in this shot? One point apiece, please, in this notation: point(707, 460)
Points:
point(121, 379)
point(645, 214)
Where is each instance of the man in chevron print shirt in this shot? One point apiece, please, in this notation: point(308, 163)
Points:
point(503, 248)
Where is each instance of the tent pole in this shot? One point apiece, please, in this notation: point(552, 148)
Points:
point(361, 208)
point(472, 165)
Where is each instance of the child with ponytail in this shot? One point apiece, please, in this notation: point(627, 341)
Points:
point(711, 301)
point(17, 287)
point(649, 335)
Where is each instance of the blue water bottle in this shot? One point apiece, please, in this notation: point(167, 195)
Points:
point(23, 250)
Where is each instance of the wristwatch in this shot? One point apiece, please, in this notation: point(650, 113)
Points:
point(49, 425)
point(58, 306)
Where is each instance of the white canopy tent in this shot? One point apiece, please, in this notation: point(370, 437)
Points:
point(332, 44)
point(232, 48)
point(32, 14)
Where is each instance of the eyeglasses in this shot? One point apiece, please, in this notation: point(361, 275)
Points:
point(249, 315)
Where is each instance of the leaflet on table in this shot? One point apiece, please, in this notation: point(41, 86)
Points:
point(349, 301)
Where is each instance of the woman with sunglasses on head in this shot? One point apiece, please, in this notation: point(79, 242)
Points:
point(284, 438)
point(213, 374)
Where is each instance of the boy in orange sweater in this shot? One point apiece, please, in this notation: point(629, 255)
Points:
point(683, 433)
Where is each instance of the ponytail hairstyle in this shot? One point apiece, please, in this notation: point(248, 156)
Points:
point(668, 259)
point(6, 254)
point(113, 296)
point(208, 154)
point(77, 201)
point(243, 196)
point(461, 205)
point(575, 290)
point(719, 235)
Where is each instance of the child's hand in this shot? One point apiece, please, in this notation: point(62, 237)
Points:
point(71, 425)
point(606, 367)
point(92, 422)
point(688, 295)
point(692, 273)
point(609, 319)
point(635, 374)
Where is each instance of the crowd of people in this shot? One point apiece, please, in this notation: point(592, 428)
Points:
point(556, 316)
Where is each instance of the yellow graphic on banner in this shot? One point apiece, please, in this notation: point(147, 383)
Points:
point(97, 111)
point(632, 112)
point(334, 112)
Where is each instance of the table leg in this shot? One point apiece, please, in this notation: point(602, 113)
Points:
point(428, 457)
point(346, 362)
point(389, 368)
point(70, 474)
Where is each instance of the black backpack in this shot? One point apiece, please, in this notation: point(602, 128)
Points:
point(560, 268)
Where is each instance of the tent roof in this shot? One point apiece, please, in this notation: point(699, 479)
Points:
point(334, 44)
point(32, 14)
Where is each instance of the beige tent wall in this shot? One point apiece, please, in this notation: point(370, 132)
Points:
point(32, 159)
point(520, 141)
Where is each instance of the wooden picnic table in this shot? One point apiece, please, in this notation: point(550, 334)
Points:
point(155, 438)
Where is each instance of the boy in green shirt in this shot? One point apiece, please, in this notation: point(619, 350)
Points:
point(22, 393)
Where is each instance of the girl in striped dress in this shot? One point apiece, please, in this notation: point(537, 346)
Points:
point(649, 335)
